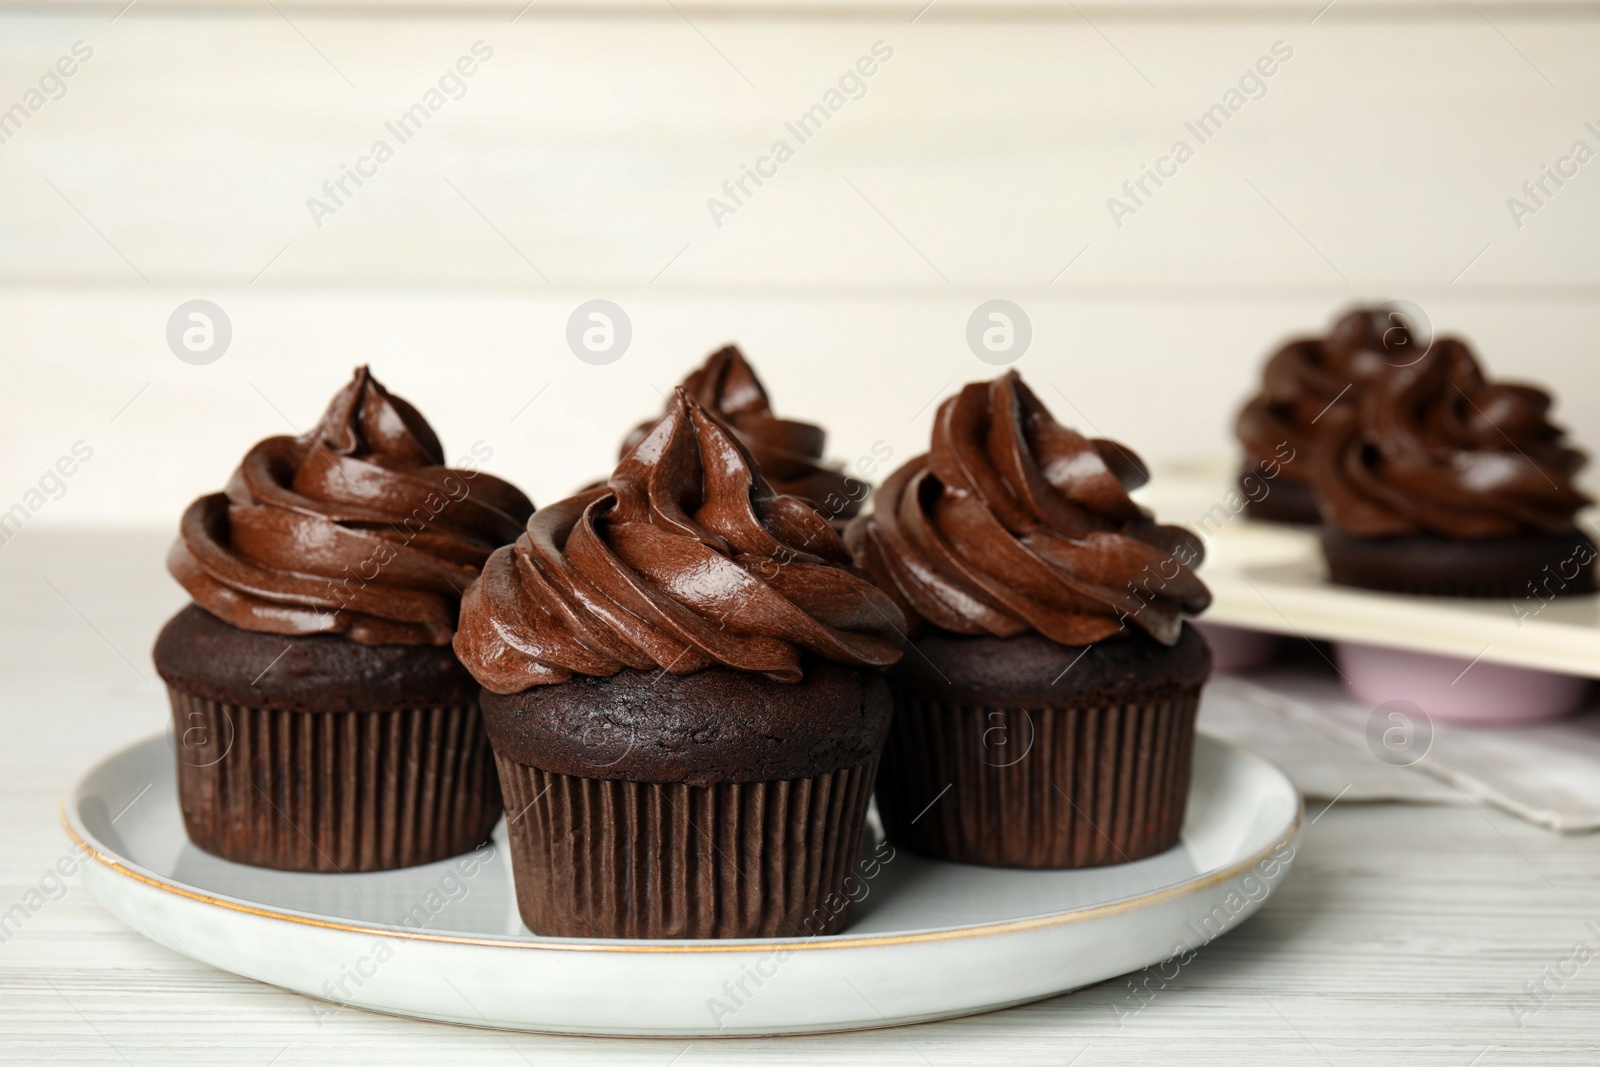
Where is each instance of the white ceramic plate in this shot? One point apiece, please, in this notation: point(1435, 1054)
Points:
point(930, 940)
point(1266, 576)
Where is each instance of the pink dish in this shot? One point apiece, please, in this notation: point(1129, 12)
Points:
point(1458, 690)
point(1234, 651)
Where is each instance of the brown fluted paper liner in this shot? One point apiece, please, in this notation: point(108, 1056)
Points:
point(612, 858)
point(1047, 787)
point(340, 791)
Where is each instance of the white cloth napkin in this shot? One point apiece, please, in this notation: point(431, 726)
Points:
point(1299, 737)
point(1302, 719)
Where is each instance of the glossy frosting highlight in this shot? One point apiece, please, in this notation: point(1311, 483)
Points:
point(789, 453)
point(686, 560)
point(1013, 523)
point(355, 528)
point(1436, 448)
point(1310, 376)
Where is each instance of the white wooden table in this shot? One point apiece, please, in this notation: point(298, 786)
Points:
point(1406, 934)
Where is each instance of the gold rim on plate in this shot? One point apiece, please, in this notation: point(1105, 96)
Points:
point(1010, 926)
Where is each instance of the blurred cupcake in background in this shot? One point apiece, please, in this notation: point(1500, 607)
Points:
point(789, 453)
point(1303, 381)
point(321, 719)
point(1044, 712)
point(1441, 482)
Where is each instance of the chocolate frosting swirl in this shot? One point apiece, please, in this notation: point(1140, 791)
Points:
point(356, 528)
point(686, 560)
point(1014, 523)
point(1436, 448)
point(1308, 377)
point(788, 453)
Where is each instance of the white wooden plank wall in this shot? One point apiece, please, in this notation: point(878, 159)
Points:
point(578, 160)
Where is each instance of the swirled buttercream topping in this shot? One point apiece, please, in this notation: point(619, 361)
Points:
point(1012, 522)
point(356, 528)
point(1307, 377)
point(1434, 447)
point(686, 560)
point(789, 453)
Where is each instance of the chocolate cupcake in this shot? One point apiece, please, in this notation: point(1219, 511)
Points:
point(789, 453)
point(321, 719)
point(1302, 382)
point(1442, 483)
point(682, 691)
point(1044, 716)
